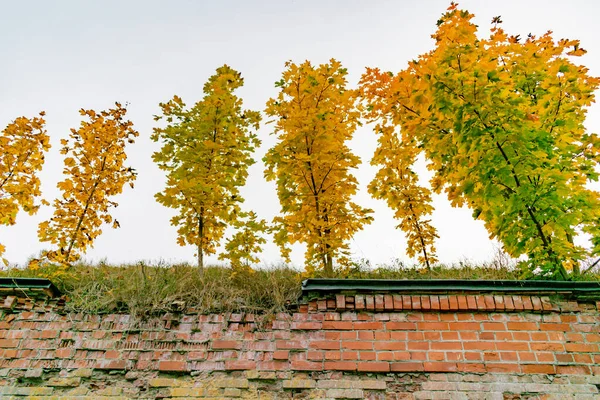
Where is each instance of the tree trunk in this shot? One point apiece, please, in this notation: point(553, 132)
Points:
point(200, 249)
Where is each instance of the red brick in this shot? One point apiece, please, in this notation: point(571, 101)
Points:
point(453, 301)
point(440, 367)
point(365, 335)
point(357, 345)
point(479, 345)
point(226, 344)
point(538, 369)
point(522, 326)
point(527, 304)
point(557, 347)
point(301, 365)
point(49, 334)
point(490, 304)
point(471, 302)
point(272, 365)
point(375, 366)
point(518, 303)
point(502, 367)
point(359, 302)
point(444, 303)
point(172, 366)
point(367, 355)
point(379, 303)
point(406, 367)
point(435, 302)
point(425, 303)
point(480, 303)
point(573, 370)
point(400, 326)
point(581, 347)
point(432, 326)
point(416, 302)
point(315, 355)
point(333, 355)
point(368, 325)
point(291, 345)
point(471, 367)
point(370, 302)
point(324, 345)
point(446, 346)
point(331, 304)
point(8, 343)
point(322, 305)
point(537, 303)
point(417, 345)
point(388, 302)
point(555, 327)
point(397, 302)
point(64, 353)
point(493, 326)
point(390, 345)
point(340, 365)
point(513, 346)
point(238, 365)
point(464, 326)
point(462, 302)
point(307, 326)
point(340, 301)
point(406, 302)
point(337, 325)
point(281, 354)
point(350, 355)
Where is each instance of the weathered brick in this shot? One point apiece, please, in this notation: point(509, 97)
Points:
point(299, 383)
point(240, 383)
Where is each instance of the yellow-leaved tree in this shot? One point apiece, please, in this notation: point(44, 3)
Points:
point(501, 122)
point(311, 163)
point(95, 170)
point(206, 151)
point(22, 146)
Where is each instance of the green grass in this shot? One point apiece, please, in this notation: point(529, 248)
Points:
point(147, 290)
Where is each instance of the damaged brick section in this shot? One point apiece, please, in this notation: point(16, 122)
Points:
point(337, 346)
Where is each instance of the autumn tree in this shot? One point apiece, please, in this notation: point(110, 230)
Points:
point(500, 120)
point(95, 172)
point(243, 247)
point(206, 151)
point(22, 146)
point(315, 116)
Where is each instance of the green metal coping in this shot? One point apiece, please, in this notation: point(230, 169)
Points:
point(28, 285)
point(579, 289)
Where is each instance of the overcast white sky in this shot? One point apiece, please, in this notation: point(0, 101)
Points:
point(60, 56)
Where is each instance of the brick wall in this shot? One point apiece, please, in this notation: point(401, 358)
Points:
point(359, 346)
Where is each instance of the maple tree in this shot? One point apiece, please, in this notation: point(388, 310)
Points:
point(242, 248)
point(316, 116)
point(206, 151)
point(22, 146)
point(94, 166)
point(500, 121)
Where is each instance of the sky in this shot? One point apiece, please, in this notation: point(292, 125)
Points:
point(60, 56)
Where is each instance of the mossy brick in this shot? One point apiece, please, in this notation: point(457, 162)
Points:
point(345, 394)
point(232, 392)
point(298, 383)
point(167, 382)
point(64, 382)
point(110, 391)
point(25, 391)
point(186, 392)
point(82, 373)
point(231, 383)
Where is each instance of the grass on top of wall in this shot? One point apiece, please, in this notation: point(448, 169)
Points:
point(150, 289)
